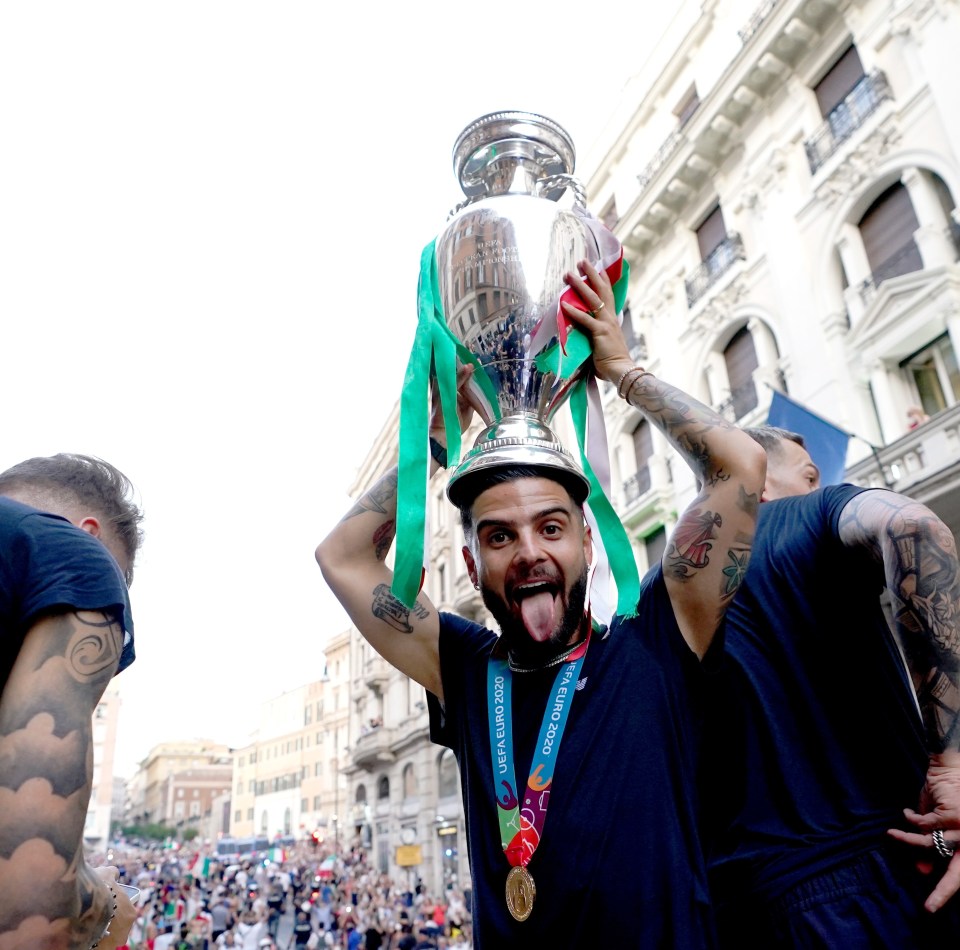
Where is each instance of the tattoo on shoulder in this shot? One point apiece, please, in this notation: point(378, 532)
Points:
point(390, 610)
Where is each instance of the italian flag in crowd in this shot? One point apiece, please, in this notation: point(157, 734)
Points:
point(556, 346)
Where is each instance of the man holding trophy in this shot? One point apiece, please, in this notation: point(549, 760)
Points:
point(600, 724)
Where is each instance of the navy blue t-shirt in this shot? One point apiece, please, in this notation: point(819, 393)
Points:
point(814, 737)
point(619, 863)
point(47, 563)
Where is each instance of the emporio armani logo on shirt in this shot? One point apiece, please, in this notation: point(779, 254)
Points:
point(581, 683)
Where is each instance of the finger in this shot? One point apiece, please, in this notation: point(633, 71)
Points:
point(596, 277)
point(911, 837)
point(929, 821)
point(947, 886)
point(580, 317)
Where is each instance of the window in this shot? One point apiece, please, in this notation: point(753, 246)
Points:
point(194, 809)
point(741, 359)
point(688, 105)
point(361, 796)
point(839, 81)
point(711, 233)
point(236, 815)
point(447, 774)
point(656, 544)
point(609, 214)
point(317, 803)
point(887, 230)
point(639, 483)
point(935, 375)
point(409, 781)
point(383, 788)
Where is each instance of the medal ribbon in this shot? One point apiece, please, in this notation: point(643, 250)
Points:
point(521, 830)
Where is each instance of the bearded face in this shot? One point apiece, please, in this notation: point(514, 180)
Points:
point(568, 607)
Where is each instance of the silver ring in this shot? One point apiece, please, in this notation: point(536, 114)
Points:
point(944, 848)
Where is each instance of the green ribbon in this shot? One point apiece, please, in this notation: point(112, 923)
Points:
point(435, 354)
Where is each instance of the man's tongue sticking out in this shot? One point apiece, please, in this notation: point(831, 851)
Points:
point(542, 613)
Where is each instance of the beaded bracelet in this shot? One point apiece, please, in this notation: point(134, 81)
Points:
point(113, 914)
point(639, 370)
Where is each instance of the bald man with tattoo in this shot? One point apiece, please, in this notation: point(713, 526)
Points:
point(69, 534)
point(836, 765)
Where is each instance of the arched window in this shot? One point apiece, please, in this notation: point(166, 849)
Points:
point(263, 822)
point(447, 774)
point(287, 821)
point(383, 788)
point(409, 781)
point(887, 230)
point(740, 356)
point(361, 796)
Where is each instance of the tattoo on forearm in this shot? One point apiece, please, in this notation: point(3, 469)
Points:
point(685, 421)
point(48, 896)
point(379, 499)
point(390, 610)
point(922, 574)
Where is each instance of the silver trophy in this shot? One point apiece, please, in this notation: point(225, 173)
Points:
point(501, 262)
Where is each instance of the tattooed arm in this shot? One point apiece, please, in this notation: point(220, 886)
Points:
point(922, 573)
point(49, 896)
point(352, 558)
point(707, 555)
point(919, 558)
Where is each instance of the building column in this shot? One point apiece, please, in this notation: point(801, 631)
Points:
point(888, 410)
point(853, 255)
point(932, 237)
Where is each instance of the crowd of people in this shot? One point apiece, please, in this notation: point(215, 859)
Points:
point(189, 901)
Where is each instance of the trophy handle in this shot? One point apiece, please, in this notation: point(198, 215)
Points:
point(553, 186)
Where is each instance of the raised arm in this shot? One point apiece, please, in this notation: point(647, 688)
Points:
point(353, 561)
point(707, 555)
point(922, 573)
point(49, 897)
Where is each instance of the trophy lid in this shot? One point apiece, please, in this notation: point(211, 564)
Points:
point(518, 441)
point(539, 144)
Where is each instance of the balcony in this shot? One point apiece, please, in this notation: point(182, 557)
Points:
point(924, 464)
point(720, 260)
point(373, 749)
point(846, 118)
point(376, 675)
point(636, 485)
point(756, 21)
point(741, 401)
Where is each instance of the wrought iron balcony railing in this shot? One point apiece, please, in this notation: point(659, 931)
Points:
point(720, 260)
point(741, 400)
point(636, 485)
point(846, 118)
point(756, 21)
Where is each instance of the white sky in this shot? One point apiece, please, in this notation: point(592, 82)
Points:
point(211, 217)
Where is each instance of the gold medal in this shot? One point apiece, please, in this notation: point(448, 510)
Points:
point(520, 893)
